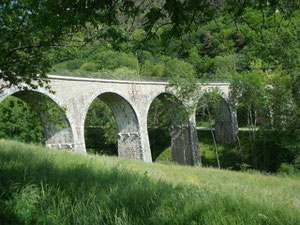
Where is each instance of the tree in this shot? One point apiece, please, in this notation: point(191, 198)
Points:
point(248, 91)
point(207, 43)
point(207, 109)
point(239, 40)
point(20, 122)
point(31, 29)
point(28, 116)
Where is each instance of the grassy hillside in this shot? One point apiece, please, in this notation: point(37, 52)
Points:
point(40, 186)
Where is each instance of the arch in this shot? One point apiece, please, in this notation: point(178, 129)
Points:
point(225, 119)
point(182, 139)
point(127, 121)
point(55, 138)
point(155, 96)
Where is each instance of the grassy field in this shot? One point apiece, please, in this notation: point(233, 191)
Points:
point(40, 186)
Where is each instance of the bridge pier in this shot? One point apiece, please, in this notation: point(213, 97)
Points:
point(196, 157)
point(78, 135)
point(58, 137)
point(226, 125)
point(144, 136)
point(185, 145)
point(129, 145)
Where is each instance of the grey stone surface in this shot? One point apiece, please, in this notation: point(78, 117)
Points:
point(130, 102)
point(226, 126)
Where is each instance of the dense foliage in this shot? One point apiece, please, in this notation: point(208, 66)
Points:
point(27, 116)
point(31, 29)
point(19, 122)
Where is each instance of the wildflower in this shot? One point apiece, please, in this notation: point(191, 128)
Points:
point(193, 179)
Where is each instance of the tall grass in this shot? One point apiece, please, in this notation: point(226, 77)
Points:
point(40, 186)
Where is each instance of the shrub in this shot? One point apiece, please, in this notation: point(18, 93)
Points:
point(165, 155)
point(89, 66)
point(297, 162)
point(74, 64)
point(286, 168)
point(244, 166)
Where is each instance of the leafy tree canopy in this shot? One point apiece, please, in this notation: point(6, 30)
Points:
point(31, 29)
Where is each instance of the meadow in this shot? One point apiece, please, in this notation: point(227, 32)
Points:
point(42, 186)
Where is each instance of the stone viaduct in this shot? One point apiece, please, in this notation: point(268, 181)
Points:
point(130, 102)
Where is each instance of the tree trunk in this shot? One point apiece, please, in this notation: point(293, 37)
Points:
point(240, 147)
point(214, 139)
point(250, 136)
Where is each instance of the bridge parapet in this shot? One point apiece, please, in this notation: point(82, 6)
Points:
point(116, 76)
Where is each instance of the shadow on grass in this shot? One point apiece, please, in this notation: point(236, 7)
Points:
point(35, 189)
point(44, 187)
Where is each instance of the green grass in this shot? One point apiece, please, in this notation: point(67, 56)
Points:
point(40, 186)
point(206, 123)
point(229, 154)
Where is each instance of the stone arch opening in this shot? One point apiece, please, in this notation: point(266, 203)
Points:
point(126, 123)
point(158, 127)
point(214, 112)
point(39, 114)
point(100, 129)
point(216, 130)
point(176, 120)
